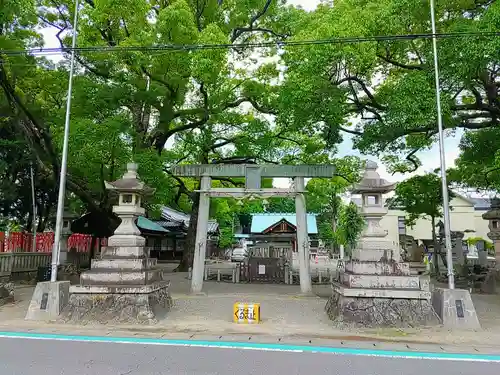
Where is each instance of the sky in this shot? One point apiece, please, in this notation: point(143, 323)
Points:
point(430, 158)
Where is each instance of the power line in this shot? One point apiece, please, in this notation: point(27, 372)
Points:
point(197, 47)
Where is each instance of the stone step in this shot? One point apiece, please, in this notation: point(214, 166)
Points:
point(378, 268)
point(111, 252)
point(114, 277)
point(118, 289)
point(384, 282)
point(373, 255)
point(381, 293)
point(131, 264)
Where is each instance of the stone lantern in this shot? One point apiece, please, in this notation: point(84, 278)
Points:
point(493, 216)
point(66, 232)
point(372, 187)
point(130, 192)
point(377, 289)
point(124, 284)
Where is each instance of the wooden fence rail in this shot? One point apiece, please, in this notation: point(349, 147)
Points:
point(17, 262)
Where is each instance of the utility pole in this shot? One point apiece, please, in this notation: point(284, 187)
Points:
point(446, 204)
point(33, 199)
point(64, 160)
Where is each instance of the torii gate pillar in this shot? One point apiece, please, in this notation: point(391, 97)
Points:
point(253, 174)
point(201, 237)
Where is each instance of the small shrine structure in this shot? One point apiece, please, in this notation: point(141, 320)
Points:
point(124, 285)
point(493, 217)
point(376, 288)
point(492, 280)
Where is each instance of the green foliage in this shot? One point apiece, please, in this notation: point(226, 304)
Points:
point(419, 196)
point(324, 197)
point(281, 205)
point(351, 225)
point(388, 86)
point(478, 164)
point(490, 248)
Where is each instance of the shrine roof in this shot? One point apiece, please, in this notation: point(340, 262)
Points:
point(146, 224)
point(173, 218)
point(262, 221)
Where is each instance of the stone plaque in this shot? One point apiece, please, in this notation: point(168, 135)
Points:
point(262, 269)
point(252, 176)
point(43, 302)
point(460, 308)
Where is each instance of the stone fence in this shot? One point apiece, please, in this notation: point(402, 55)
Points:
point(21, 262)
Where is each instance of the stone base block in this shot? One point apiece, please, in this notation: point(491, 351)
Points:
point(373, 243)
point(491, 284)
point(122, 264)
point(380, 312)
point(125, 277)
point(6, 293)
point(373, 255)
point(49, 299)
point(455, 308)
point(377, 268)
point(119, 240)
point(130, 305)
point(127, 252)
point(380, 281)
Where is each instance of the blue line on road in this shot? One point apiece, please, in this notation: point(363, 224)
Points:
point(257, 346)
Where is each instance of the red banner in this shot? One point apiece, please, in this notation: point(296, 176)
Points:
point(23, 242)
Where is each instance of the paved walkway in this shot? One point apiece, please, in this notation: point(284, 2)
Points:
point(285, 314)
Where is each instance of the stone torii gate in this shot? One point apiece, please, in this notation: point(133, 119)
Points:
point(253, 174)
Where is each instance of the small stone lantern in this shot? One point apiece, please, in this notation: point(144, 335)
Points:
point(371, 188)
point(67, 219)
point(493, 216)
point(130, 192)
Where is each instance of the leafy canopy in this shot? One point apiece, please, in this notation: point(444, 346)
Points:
point(382, 93)
point(419, 196)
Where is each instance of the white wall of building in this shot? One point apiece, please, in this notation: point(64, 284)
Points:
point(463, 217)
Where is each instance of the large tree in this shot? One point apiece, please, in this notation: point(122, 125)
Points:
point(128, 105)
point(478, 164)
point(382, 92)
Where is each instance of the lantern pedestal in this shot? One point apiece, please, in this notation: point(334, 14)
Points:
point(124, 285)
point(376, 289)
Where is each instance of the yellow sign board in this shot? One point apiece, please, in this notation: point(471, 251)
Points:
point(248, 313)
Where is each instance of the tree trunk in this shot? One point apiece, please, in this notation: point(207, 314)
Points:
point(190, 244)
point(435, 258)
point(335, 247)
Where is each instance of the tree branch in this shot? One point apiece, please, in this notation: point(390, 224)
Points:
point(389, 60)
point(241, 30)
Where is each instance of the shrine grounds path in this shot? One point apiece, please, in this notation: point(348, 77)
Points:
point(21, 356)
point(288, 318)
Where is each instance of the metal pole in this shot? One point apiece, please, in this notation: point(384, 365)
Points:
point(446, 206)
point(34, 207)
point(64, 160)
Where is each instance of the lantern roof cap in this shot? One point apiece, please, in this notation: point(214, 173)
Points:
point(372, 182)
point(494, 212)
point(130, 182)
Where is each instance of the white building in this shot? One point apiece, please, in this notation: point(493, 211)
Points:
point(465, 216)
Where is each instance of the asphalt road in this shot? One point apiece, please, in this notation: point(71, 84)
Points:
point(19, 356)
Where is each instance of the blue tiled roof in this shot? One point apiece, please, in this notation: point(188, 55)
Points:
point(260, 222)
point(147, 224)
